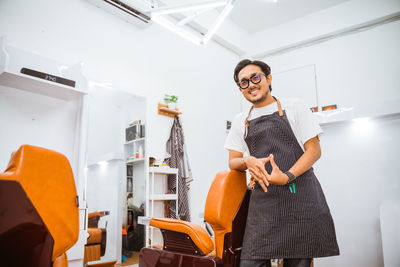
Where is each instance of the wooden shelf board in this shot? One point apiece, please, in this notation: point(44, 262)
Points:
point(164, 110)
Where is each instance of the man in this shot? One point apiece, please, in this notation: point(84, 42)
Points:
point(288, 215)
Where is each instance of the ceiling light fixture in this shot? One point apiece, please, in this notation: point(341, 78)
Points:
point(157, 16)
point(218, 22)
point(179, 31)
point(185, 8)
point(191, 17)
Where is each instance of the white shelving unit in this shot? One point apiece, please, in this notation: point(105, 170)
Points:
point(156, 193)
point(12, 62)
point(132, 151)
point(136, 178)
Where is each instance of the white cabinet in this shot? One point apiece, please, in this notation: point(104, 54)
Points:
point(135, 177)
point(157, 193)
point(40, 108)
point(132, 151)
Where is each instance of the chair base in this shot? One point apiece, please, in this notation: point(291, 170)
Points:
point(155, 257)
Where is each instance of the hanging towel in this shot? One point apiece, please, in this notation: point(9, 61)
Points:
point(178, 159)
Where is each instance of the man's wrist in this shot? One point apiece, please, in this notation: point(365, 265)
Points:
point(291, 177)
point(244, 163)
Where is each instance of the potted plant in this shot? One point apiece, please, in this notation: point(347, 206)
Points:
point(171, 100)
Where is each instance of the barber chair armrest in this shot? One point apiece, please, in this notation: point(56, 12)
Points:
point(196, 233)
point(98, 214)
point(94, 235)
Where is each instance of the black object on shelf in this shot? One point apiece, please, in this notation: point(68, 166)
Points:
point(129, 170)
point(134, 132)
point(129, 185)
point(48, 77)
point(130, 217)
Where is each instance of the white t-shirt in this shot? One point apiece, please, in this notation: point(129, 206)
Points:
point(300, 118)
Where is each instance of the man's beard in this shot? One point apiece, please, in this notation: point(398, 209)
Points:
point(260, 100)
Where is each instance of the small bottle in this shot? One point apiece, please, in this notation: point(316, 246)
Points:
point(141, 152)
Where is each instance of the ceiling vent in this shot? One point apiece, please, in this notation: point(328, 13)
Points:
point(127, 12)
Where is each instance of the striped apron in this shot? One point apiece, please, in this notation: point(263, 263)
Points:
point(282, 224)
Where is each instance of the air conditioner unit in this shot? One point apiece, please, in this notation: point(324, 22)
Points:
point(128, 12)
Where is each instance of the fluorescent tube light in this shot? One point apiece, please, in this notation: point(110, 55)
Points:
point(185, 8)
point(217, 23)
point(191, 17)
point(202, 7)
point(170, 26)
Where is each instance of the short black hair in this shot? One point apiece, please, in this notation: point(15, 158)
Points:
point(243, 63)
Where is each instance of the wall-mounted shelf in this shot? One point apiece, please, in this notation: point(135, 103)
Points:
point(164, 110)
point(134, 161)
point(105, 158)
point(163, 197)
point(13, 60)
point(135, 140)
point(163, 170)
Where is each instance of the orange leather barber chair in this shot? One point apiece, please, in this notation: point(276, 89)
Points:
point(38, 209)
point(187, 244)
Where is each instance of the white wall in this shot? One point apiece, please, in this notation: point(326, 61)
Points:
point(358, 174)
point(149, 62)
point(357, 71)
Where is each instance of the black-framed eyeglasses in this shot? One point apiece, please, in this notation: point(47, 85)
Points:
point(256, 78)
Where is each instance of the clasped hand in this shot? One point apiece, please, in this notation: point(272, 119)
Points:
point(256, 167)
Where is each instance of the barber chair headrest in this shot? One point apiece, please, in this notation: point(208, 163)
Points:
point(47, 179)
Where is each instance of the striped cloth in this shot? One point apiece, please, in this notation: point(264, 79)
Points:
point(178, 159)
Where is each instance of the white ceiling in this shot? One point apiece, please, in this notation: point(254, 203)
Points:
point(254, 15)
point(251, 22)
point(259, 15)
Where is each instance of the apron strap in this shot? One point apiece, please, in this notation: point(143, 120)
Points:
point(279, 106)
point(246, 122)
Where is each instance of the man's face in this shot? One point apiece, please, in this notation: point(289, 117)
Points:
point(255, 93)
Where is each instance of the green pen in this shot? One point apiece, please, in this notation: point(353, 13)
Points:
point(294, 189)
